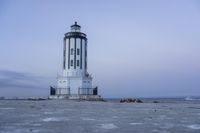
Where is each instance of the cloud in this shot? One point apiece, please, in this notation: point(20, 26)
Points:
point(13, 79)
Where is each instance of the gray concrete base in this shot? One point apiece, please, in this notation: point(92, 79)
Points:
point(77, 97)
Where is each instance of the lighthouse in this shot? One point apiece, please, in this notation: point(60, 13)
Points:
point(74, 82)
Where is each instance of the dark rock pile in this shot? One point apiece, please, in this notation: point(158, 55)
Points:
point(155, 102)
point(131, 100)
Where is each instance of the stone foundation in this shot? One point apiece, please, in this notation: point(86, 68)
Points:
point(77, 97)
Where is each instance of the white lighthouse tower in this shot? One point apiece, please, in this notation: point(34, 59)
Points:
point(75, 82)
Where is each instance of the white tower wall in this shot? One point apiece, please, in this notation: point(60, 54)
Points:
point(80, 60)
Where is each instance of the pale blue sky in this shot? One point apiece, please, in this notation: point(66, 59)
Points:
point(136, 48)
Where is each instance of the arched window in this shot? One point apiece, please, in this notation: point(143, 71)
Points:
point(77, 62)
point(78, 51)
point(72, 63)
point(72, 51)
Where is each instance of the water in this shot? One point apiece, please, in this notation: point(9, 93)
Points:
point(62, 116)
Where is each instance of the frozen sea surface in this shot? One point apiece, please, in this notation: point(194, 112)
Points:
point(63, 116)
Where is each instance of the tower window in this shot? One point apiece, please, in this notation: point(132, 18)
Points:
point(71, 62)
point(78, 51)
point(72, 51)
point(77, 62)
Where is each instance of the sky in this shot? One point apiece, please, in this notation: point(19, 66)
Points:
point(136, 48)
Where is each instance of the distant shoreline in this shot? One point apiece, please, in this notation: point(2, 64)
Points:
point(115, 100)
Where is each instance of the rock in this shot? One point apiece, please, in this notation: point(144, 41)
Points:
point(139, 101)
point(131, 100)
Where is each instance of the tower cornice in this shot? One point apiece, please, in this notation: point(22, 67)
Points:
point(75, 34)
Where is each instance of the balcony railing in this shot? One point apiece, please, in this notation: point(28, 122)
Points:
point(75, 34)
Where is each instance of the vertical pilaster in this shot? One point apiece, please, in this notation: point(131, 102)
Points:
point(85, 55)
point(74, 53)
point(81, 55)
point(64, 53)
point(69, 54)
